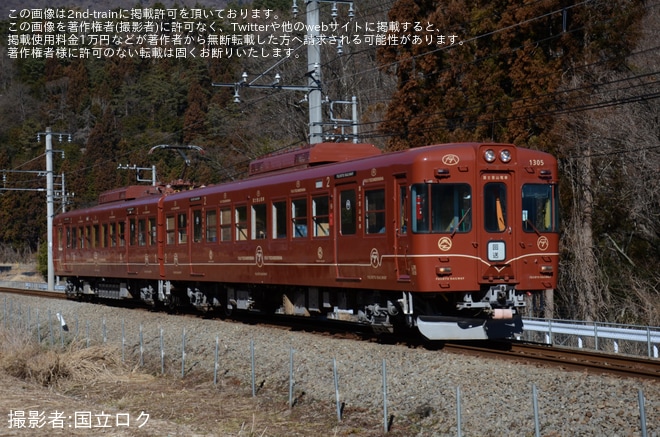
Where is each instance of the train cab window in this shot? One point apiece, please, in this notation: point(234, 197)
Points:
point(495, 207)
point(88, 242)
point(348, 208)
point(182, 227)
point(152, 231)
point(74, 238)
point(279, 220)
point(225, 224)
point(320, 215)
point(299, 217)
point(121, 229)
point(374, 201)
point(197, 225)
point(258, 225)
point(211, 226)
point(240, 215)
point(169, 229)
point(68, 237)
point(539, 211)
point(441, 208)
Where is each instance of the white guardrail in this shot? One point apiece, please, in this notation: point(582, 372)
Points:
point(628, 339)
point(610, 337)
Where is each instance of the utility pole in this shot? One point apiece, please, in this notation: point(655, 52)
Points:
point(314, 89)
point(50, 200)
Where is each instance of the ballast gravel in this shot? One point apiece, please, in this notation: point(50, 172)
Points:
point(422, 385)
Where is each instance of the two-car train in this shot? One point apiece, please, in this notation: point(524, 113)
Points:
point(445, 239)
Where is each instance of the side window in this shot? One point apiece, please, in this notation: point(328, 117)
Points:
point(133, 232)
point(152, 231)
point(169, 229)
point(88, 233)
point(182, 227)
point(320, 216)
point(375, 211)
point(348, 207)
point(279, 220)
point(197, 225)
point(96, 236)
point(68, 237)
point(225, 224)
point(299, 217)
point(495, 207)
point(240, 214)
point(211, 226)
point(104, 235)
point(258, 221)
point(113, 234)
point(142, 232)
point(121, 233)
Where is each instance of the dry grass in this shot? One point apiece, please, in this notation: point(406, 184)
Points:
point(191, 405)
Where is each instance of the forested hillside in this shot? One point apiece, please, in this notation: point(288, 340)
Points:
point(579, 80)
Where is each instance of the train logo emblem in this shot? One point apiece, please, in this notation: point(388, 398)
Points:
point(450, 159)
point(444, 244)
point(542, 243)
point(259, 256)
point(375, 258)
point(319, 252)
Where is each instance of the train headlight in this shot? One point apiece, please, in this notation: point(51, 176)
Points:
point(489, 155)
point(505, 156)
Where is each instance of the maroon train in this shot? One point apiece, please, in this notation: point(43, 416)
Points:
point(446, 239)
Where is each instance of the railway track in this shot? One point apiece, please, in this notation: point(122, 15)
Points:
point(539, 354)
point(564, 358)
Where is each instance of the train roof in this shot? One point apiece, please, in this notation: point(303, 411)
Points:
point(311, 155)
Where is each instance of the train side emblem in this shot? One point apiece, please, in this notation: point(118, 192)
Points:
point(444, 244)
point(542, 243)
point(375, 258)
point(259, 256)
point(450, 159)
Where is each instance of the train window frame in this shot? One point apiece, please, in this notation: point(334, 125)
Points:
point(121, 233)
point(241, 222)
point(495, 208)
point(88, 241)
point(211, 217)
point(258, 221)
point(374, 211)
point(348, 211)
point(279, 228)
point(68, 237)
point(197, 225)
point(170, 229)
point(442, 208)
point(549, 212)
point(226, 224)
point(321, 215)
point(299, 217)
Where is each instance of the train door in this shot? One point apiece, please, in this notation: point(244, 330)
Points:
point(402, 209)
point(347, 229)
point(498, 242)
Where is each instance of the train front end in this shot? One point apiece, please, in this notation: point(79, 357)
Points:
point(484, 239)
